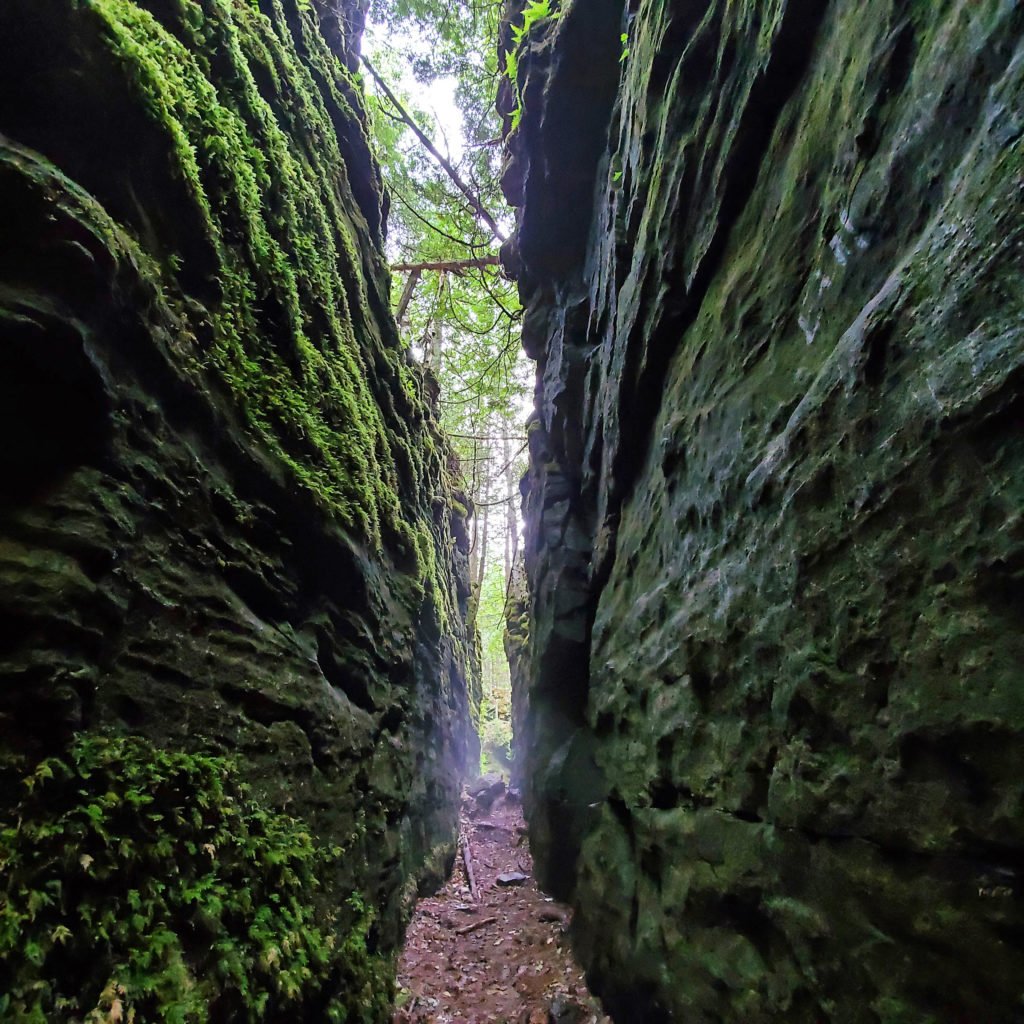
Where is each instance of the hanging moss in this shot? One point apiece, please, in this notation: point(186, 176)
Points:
point(290, 334)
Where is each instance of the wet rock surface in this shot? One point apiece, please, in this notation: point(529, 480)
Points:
point(228, 523)
point(774, 540)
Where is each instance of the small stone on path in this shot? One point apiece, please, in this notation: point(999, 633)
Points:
point(512, 878)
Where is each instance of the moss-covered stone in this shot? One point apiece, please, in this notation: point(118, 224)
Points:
point(774, 534)
point(144, 884)
point(228, 522)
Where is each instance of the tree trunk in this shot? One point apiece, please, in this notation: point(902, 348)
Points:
point(432, 339)
point(403, 302)
point(437, 347)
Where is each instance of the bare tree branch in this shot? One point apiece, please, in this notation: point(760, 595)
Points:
point(474, 200)
point(452, 266)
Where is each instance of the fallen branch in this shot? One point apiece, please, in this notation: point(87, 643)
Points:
point(403, 303)
point(467, 859)
point(466, 929)
point(471, 196)
point(454, 266)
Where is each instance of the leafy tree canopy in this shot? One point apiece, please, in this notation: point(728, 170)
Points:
point(458, 313)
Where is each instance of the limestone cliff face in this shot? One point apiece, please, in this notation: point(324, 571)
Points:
point(772, 262)
point(228, 524)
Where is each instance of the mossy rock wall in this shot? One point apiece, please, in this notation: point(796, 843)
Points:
point(228, 522)
point(516, 642)
point(771, 255)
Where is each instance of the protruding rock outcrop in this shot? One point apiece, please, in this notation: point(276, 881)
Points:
point(771, 257)
point(228, 524)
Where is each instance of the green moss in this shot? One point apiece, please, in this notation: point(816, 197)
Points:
point(150, 882)
point(291, 334)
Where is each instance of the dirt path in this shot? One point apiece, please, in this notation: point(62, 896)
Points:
point(501, 958)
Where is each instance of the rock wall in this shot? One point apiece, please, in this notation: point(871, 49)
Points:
point(228, 523)
point(771, 256)
point(516, 642)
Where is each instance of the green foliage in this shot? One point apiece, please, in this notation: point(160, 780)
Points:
point(470, 319)
point(463, 326)
point(535, 12)
point(142, 884)
point(496, 705)
point(472, 316)
point(495, 745)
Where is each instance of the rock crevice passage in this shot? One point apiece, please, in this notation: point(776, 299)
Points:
point(768, 690)
point(767, 661)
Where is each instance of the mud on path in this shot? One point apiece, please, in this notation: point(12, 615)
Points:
point(500, 958)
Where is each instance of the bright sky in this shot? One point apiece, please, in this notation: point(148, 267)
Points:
point(438, 98)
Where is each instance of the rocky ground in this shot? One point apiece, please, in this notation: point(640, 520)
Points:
point(492, 948)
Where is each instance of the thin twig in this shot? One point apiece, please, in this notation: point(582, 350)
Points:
point(483, 923)
point(467, 859)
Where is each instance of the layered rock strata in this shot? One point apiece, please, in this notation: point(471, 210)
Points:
point(771, 258)
point(228, 523)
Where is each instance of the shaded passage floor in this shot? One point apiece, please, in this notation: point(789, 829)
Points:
point(502, 958)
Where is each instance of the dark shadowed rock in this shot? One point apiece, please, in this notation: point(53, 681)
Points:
point(772, 738)
point(228, 522)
